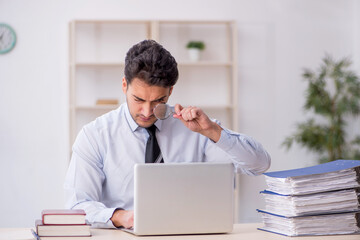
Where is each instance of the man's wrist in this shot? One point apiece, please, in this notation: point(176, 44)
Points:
point(114, 218)
point(123, 218)
point(214, 132)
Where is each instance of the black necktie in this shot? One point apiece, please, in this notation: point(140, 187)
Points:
point(153, 153)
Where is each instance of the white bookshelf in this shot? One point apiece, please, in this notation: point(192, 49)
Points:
point(96, 66)
point(97, 55)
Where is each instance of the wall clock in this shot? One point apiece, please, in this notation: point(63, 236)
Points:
point(7, 38)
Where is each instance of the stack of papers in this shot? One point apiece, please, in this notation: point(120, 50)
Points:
point(339, 174)
point(310, 201)
point(339, 223)
point(316, 203)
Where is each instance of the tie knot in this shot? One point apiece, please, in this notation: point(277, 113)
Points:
point(151, 130)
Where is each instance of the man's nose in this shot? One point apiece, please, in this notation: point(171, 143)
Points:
point(147, 110)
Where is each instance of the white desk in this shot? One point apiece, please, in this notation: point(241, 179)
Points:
point(241, 232)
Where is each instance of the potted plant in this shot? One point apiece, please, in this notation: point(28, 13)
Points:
point(333, 95)
point(194, 48)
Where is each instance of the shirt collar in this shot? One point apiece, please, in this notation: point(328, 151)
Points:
point(158, 124)
point(133, 125)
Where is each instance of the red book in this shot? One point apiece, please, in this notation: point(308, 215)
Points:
point(69, 230)
point(63, 216)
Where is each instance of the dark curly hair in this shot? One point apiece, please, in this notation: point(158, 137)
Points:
point(152, 63)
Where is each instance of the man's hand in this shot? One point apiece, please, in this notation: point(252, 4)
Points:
point(123, 218)
point(196, 120)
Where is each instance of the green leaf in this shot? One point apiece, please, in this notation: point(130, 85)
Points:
point(196, 44)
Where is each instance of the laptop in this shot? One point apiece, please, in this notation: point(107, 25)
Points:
point(183, 198)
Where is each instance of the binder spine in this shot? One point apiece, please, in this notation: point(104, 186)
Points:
point(357, 171)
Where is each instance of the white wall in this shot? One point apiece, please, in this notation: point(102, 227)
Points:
point(296, 35)
point(277, 39)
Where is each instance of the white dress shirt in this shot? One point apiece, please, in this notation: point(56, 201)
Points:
point(100, 176)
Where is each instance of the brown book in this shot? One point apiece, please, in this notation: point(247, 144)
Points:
point(63, 216)
point(69, 230)
point(107, 101)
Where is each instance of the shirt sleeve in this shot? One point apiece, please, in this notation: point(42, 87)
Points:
point(83, 182)
point(248, 155)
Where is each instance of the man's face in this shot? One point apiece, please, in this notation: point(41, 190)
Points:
point(142, 98)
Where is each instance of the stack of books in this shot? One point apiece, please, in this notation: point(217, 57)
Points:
point(319, 200)
point(62, 223)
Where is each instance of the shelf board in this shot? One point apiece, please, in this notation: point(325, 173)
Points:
point(216, 106)
point(206, 63)
point(149, 21)
point(99, 64)
point(114, 106)
point(97, 107)
point(182, 63)
point(212, 107)
point(112, 21)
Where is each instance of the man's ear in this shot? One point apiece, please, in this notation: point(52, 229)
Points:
point(124, 85)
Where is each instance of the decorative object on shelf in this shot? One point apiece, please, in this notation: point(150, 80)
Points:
point(333, 105)
point(107, 102)
point(194, 48)
point(7, 38)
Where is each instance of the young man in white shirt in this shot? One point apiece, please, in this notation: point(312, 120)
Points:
point(100, 175)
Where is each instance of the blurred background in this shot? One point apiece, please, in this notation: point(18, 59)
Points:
point(274, 41)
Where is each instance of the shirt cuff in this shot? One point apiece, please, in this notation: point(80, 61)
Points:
point(104, 221)
point(225, 142)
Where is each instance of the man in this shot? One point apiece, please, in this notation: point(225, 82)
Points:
point(100, 175)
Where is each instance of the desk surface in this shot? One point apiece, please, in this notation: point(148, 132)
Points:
point(241, 231)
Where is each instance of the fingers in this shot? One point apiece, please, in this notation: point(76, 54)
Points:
point(131, 219)
point(123, 218)
point(190, 113)
point(178, 109)
point(186, 113)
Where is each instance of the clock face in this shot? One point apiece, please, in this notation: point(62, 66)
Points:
point(7, 38)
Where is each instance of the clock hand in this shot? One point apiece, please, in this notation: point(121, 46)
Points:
point(1, 36)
